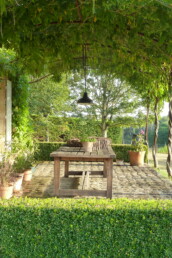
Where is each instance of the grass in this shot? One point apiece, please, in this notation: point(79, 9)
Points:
point(163, 149)
point(163, 172)
point(161, 163)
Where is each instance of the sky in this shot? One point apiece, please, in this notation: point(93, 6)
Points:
point(165, 110)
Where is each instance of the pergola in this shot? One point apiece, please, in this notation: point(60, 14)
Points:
point(118, 34)
point(132, 39)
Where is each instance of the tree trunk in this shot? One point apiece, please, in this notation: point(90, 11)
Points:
point(156, 123)
point(147, 121)
point(47, 135)
point(104, 133)
point(104, 129)
point(104, 111)
point(169, 157)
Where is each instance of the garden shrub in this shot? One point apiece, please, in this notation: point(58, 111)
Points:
point(85, 228)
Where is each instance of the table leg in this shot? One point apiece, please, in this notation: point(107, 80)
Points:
point(66, 168)
point(56, 176)
point(109, 164)
point(105, 169)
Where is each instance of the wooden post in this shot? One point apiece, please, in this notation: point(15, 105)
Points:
point(109, 164)
point(56, 176)
point(66, 168)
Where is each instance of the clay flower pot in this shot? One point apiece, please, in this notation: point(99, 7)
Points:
point(27, 175)
point(6, 192)
point(136, 158)
point(87, 146)
point(18, 179)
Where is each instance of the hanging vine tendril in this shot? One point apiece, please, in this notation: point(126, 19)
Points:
point(94, 6)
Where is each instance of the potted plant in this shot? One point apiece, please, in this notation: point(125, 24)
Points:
point(28, 168)
point(87, 143)
point(18, 172)
point(22, 168)
point(137, 154)
point(6, 170)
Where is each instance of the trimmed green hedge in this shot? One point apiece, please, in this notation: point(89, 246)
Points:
point(65, 128)
point(43, 150)
point(85, 228)
point(121, 151)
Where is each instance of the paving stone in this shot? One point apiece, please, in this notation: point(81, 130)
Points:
point(128, 181)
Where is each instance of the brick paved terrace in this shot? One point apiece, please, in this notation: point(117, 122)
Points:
point(131, 182)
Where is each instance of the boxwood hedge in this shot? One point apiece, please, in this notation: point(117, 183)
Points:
point(85, 228)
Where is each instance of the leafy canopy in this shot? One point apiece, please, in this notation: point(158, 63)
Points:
point(120, 35)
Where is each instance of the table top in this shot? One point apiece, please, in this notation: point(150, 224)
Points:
point(66, 151)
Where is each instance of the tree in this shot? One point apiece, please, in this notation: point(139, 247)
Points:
point(157, 107)
point(112, 98)
point(169, 157)
point(48, 97)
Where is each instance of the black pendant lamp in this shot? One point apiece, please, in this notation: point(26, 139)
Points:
point(85, 100)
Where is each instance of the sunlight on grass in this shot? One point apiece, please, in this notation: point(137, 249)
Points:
point(161, 163)
point(163, 172)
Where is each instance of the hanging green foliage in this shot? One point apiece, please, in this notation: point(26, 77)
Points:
point(121, 35)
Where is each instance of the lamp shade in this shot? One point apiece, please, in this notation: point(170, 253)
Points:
point(85, 100)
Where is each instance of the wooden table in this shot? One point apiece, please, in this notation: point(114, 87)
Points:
point(67, 154)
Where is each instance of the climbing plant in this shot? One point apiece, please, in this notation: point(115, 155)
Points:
point(53, 32)
point(21, 124)
point(21, 127)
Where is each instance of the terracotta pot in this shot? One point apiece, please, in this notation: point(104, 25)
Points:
point(6, 192)
point(27, 175)
point(87, 146)
point(18, 179)
point(136, 158)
